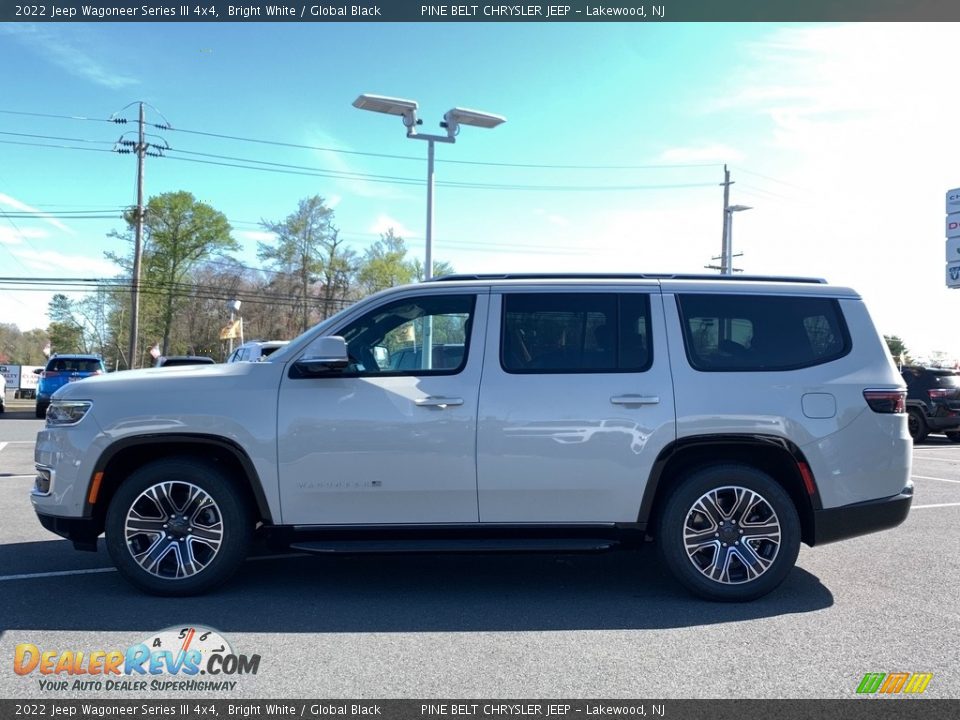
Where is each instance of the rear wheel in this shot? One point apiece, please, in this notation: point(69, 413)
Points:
point(178, 527)
point(42, 410)
point(917, 425)
point(729, 533)
point(953, 437)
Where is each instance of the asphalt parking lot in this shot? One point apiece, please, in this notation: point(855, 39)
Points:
point(545, 626)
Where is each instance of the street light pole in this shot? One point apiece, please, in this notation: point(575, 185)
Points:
point(452, 120)
point(727, 262)
point(428, 261)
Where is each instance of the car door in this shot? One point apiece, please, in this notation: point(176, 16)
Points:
point(576, 403)
point(376, 444)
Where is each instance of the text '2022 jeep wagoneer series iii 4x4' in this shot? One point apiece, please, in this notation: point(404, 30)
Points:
point(725, 419)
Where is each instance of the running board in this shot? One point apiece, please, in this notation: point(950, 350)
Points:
point(456, 545)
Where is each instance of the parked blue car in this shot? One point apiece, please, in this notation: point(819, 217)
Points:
point(62, 369)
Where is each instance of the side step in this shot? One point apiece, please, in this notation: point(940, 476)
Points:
point(456, 545)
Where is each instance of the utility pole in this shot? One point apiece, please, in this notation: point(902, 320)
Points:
point(725, 260)
point(141, 150)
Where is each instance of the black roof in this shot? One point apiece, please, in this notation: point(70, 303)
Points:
point(626, 276)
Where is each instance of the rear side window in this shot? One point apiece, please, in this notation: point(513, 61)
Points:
point(755, 332)
point(575, 332)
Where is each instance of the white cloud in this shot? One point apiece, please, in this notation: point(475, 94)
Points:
point(23, 207)
point(10, 235)
point(74, 51)
point(385, 222)
point(47, 260)
point(714, 152)
point(349, 178)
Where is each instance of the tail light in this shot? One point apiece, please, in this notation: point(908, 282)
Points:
point(938, 394)
point(886, 401)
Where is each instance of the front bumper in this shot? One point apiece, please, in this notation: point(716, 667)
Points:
point(849, 521)
point(82, 532)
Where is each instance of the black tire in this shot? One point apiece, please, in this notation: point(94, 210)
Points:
point(953, 437)
point(917, 425)
point(173, 482)
point(42, 410)
point(768, 506)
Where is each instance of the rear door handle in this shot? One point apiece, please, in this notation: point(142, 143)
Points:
point(635, 399)
point(436, 401)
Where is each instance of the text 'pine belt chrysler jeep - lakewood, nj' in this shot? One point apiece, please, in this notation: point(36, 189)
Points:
point(726, 419)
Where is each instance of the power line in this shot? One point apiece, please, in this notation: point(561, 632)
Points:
point(280, 143)
point(451, 162)
point(49, 115)
point(62, 147)
point(448, 183)
point(55, 137)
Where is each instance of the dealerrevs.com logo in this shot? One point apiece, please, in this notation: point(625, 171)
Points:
point(170, 660)
point(894, 683)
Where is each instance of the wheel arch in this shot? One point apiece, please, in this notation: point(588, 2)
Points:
point(125, 456)
point(776, 456)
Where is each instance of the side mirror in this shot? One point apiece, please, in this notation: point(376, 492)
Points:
point(323, 355)
point(38, 371)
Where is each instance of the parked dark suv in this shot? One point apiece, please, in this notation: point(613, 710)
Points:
point(933, 402)
point(63, 369)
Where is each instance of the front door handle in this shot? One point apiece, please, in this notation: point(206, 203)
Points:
point(635, 399)
point(439, 402)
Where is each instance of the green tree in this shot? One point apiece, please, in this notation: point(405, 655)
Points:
point(440, 268)
point(306, 244)
point(385, 264)
point(65, 331)
point(898, 349)
point(179, 233)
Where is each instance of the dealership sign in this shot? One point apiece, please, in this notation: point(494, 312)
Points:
point(953, 274)
point(952, 231)
point(11, 373)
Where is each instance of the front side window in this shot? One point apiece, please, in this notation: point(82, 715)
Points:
point(575, 332)
point(412, 336)
point(754, 332)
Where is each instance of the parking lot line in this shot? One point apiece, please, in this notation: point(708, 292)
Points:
point(938, 459)
point(923, 507)
point(927, 477)
point(2, 446)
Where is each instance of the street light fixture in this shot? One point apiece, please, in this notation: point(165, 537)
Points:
point(726, 262)
point(452, 120)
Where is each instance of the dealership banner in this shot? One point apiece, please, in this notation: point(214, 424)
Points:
point(445, 11)
point(472, 709)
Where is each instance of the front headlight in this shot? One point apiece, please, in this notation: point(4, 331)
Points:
point(67, 412)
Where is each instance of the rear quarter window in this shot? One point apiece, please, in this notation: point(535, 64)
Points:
point(744, 333)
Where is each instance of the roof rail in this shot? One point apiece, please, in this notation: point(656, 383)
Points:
point(625, 276)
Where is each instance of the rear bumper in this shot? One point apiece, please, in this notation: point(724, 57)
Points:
point(82, 532)
point(947, 422)
point(849, 521)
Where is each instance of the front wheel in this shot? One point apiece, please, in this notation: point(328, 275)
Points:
point(178, 527)
point(729, 533)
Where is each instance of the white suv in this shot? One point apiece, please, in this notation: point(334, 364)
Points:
point(727, 419)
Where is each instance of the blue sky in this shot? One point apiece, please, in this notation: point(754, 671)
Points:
point(838, 137)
